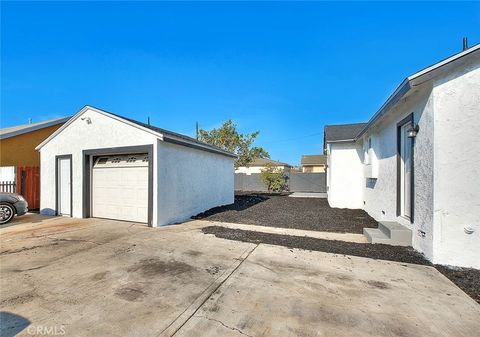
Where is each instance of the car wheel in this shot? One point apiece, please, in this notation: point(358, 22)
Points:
point(6, 213)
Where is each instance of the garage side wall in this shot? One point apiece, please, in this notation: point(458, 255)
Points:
point(191, 181)
point(102, 132)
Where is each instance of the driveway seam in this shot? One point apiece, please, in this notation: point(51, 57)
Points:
point(181, 320)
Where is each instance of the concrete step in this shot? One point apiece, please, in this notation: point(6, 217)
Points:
point(390, 233)
point(399, 234)
point(375, 235)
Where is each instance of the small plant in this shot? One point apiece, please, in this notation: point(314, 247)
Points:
point(273, 178)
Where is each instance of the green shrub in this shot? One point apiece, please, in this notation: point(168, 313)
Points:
point(273, 178)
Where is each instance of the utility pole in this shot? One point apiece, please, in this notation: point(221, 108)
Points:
point(148, 120)
point(196, 131)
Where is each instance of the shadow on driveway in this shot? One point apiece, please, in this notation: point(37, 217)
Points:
point(12, 324)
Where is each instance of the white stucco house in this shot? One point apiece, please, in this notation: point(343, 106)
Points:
point(257, 165)
point(99, 164)
point(416, 163)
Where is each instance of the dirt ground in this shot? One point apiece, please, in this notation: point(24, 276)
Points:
point(466, 279)
point(285, 212)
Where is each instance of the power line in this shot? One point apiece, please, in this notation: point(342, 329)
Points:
point(292, 139)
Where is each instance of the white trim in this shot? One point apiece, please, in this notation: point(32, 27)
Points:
point(444, 62)
point(342, 141)
point(411, 81)
point(82, 111)
point(162, 136)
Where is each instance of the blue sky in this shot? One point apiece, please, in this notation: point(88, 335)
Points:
point(286, 69)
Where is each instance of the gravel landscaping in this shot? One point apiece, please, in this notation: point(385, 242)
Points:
point(377, 251)
point(282, 211)
point(466, 279)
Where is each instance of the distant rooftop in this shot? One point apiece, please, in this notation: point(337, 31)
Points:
point(343, 132)
point(265, 161)
point(25, 128)
point(316, 159)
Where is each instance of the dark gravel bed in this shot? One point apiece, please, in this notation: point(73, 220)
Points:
point(377, 251)
point(282, 211)
point(466, 279)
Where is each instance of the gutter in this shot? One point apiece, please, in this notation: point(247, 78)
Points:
point(197, 146)
point(397, 95)
point(415, 80)
point(342, 141)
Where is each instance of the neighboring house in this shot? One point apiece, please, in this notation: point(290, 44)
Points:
point(259, 164)
point(99, 164)
point(314, 163)
point(19, 162)
point(416, 163)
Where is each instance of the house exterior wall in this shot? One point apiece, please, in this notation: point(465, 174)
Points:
point(345, 175)
point(457, 168)
point(313, 168)
point(257, 169)
point(446, 221)
point(20, 150)
point(103, 132)
point(380, 193)
point(191, 181)
point(7, 173)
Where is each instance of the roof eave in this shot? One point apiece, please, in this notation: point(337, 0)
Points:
point(415, 80)
point(196, 145)
point(341, 141)
point(397, 95)
point(88, 107)
point(33, 128)
point(161, 136)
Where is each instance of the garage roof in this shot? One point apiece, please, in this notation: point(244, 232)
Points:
point(165, 135)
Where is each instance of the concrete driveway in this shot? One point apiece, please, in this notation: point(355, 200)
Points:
point(88, 277)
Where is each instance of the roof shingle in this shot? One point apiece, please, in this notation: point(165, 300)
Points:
point(343, 132)
point(316, 159)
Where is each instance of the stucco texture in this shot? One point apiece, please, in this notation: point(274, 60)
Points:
point(380, 195)
point(446, 222)
point(457, 168)
point(191, 181)
point(20, 150)
point(178, 191)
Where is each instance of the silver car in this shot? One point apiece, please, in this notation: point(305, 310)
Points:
point(11, 204)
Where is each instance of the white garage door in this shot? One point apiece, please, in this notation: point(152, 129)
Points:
point(120, 187)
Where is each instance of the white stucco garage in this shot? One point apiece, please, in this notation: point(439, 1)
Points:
point(103, 165)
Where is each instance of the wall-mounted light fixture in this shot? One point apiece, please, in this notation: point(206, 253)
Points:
point(412, 132)
point(87, 120)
